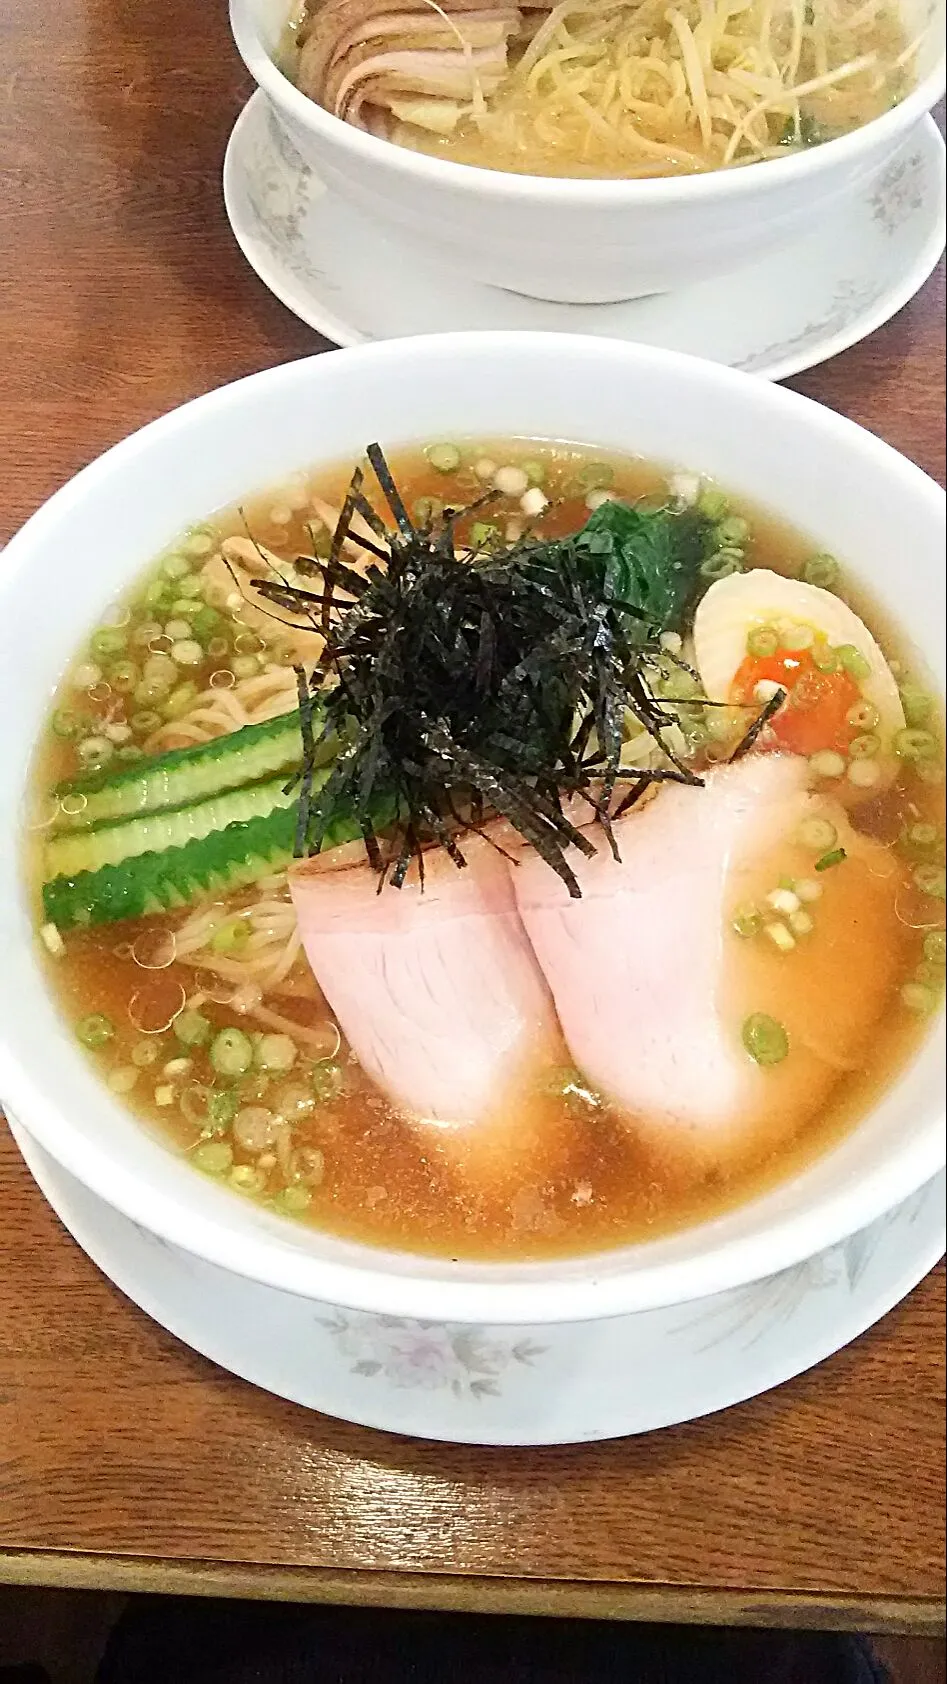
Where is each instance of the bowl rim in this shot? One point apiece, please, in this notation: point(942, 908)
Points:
point(223, 1239)
point(565, 191)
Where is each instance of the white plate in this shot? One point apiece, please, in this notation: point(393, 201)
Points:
point(482, 1385)
point(352, 283)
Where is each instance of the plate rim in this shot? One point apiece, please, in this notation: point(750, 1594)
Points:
point(926, 1254)
point(879, 310)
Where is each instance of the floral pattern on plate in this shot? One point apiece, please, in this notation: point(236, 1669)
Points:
point(352, 282)
point(429, 1356)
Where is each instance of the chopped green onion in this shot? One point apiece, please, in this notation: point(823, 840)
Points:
point(808, 889)
point(817, 834)
point(145, 721)
point(853, 661)
point(108, 641)
point(864, 747)
point(864, 716)
point(95, 1031)
point(783, 899)
point(762, 641)
point(214, 1157)
point(294, 1200)
point(919, 838)
point(827, 763)
point(721, 565)
point(821, 570)
point(205, 624)
point(835, 856)
point(733, 529)
point(123, 1079)
point(145, 1053)
point(714, 504)
point(68, 725)
point(824, 657)
point(175, 567)
point(231, 937)
point(186, 651)
point(797, 636)
point(247, 1179)
point(747, 922)
point(124, 677)
point(427, 509)
point(245, 666)
point(915, 744)
point(94, 751)
point(183, 698)
point(918, 997)
point(535, 471)
point(221, 1110)
point(231, 1052)
point(483, 533)
point(276, 1052)
point(444, 458)
point(594, 476)
point(185, 609)
point(326, 1081)
point(801, 923)
point(52, 941)
point(780, 936)
point(864, 773)
point(917, 704)
point(158, 594)
point(930, 879)
point(935, 947)
point(765, 1040)
point(192, 1029)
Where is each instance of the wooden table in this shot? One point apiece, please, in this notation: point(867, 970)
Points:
point(125, 1459)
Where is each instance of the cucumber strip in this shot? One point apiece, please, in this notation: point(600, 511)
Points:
point(186, 775)
point(110, 844)
point(216, 865)
point(162, 882)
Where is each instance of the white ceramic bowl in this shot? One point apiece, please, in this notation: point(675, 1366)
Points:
point(587, 242)
point(856, 497)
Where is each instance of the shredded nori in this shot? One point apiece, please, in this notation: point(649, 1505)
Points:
point(461, 683)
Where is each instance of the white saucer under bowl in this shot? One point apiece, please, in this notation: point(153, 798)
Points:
point(506, 1386)
point(350, 282)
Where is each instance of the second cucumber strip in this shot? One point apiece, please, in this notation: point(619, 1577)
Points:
point(186, 775)
point(110, 844)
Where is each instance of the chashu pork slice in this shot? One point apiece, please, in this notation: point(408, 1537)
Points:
point(361, 58)
point(437, 991)
point(653, 986)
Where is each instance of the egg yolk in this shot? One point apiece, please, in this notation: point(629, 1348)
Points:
point(815, 713)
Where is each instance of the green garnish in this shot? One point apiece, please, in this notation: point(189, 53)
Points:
point(765, 1040)
point(95, 1031)
point(835, 856)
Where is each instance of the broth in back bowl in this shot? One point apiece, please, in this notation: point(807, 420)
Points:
point(335, 1050)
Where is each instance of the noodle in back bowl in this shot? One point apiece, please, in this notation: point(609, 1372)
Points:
point(581, 240)
point(854, 495)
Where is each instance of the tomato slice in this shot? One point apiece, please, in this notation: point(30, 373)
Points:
point(815, 713)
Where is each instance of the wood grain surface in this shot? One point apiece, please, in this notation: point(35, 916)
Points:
point(127, 1460)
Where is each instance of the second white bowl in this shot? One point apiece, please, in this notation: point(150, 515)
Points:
point(578, 241)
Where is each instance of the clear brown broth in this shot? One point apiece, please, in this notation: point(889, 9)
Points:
point(385, 1182)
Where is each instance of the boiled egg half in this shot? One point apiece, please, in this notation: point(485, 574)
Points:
point(757, 632)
